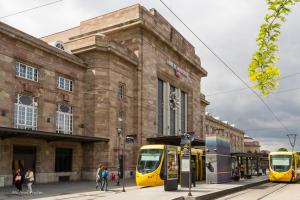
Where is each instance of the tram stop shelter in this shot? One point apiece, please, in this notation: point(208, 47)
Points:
point(243, 160)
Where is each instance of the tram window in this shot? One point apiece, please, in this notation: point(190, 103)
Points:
point(149, 160)
point(280, 163)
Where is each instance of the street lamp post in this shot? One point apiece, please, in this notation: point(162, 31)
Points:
point(190, 178)
point(119, 131)
point(184, 138)
point(123, 160)
point(126, 139)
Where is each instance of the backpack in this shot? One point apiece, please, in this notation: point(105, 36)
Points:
point(105, 174)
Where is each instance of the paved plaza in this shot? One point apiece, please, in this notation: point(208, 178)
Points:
point(86, 191)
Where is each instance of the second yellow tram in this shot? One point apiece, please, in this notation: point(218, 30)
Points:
point(149, 170)
point(284, 167)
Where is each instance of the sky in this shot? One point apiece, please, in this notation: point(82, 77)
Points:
point(228, 27)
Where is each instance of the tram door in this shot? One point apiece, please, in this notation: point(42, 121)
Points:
point(24, 157)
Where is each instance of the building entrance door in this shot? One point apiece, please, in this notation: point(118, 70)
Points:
point(24, 157)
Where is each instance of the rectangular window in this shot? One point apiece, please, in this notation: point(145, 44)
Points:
point(65, 84)
point(63, 160)
point(64, 119)
point(25, 116)
point(183, 111)
point(27, 72)
point(173, 107)
point(160, 107)
point(121, 90)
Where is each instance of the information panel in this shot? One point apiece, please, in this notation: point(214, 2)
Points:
point(172, 165)
point(170, 168)
point(185, 165)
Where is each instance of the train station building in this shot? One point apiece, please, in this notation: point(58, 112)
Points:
point(69, 99)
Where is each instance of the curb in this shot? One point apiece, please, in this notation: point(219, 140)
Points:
point(222, 193)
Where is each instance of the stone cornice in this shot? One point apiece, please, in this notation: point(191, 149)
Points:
point(37, 43)
point(151, 28)
point(101, 43)
point(219, 122)
point(203, 100)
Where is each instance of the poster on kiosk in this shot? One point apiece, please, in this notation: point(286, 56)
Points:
point(171, 168)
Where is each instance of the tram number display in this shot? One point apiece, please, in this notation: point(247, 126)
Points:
point(172, 163)
point(281, 161)
point(150, 157)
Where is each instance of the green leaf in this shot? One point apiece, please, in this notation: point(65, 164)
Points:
point(262, 70)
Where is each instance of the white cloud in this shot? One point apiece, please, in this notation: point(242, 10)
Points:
point(229, 27)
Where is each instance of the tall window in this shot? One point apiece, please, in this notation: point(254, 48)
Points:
point(25, 112)
point(63, 160)
point(172, 110)
point(183, 111)
point(27, 72)
point(64, 84)
point(64, 119)
point(121, 90)
point(160, 107)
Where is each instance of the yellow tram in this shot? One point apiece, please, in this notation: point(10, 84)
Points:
point(284, 167)
point(149, 170)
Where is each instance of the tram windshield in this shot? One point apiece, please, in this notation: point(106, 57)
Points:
point(149, 160)
point(280, 163)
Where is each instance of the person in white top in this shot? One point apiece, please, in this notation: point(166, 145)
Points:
point(99, 176)
point(29, 177)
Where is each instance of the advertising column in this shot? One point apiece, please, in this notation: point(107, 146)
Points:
point(171, 168)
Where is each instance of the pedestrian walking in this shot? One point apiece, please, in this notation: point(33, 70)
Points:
point(18, 180)
point(236, 176)
point(99, 176)
point(264, 170)
point(194, 175)
point(242, 171)
point(29, 177)
point(104, 175)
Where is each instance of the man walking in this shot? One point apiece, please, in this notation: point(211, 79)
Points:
point(104, 179)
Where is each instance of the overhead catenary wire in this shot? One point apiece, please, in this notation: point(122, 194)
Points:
point(214, 53)
point(29, 9)
point(245, 88)
point(228, 67)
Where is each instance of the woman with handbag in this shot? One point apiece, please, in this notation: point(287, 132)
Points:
point(18, 180)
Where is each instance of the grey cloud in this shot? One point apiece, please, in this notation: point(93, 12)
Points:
point(228, 27)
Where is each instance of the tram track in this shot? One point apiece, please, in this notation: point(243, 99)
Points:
point(278, 187)
point(272, 192)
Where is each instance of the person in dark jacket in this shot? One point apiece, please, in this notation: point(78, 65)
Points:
point(18, 180)
point(236, 176)
point(194, 174)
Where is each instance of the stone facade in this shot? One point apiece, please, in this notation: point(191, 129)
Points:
point(251, 145)
point(214, 126)
point(132, 47)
